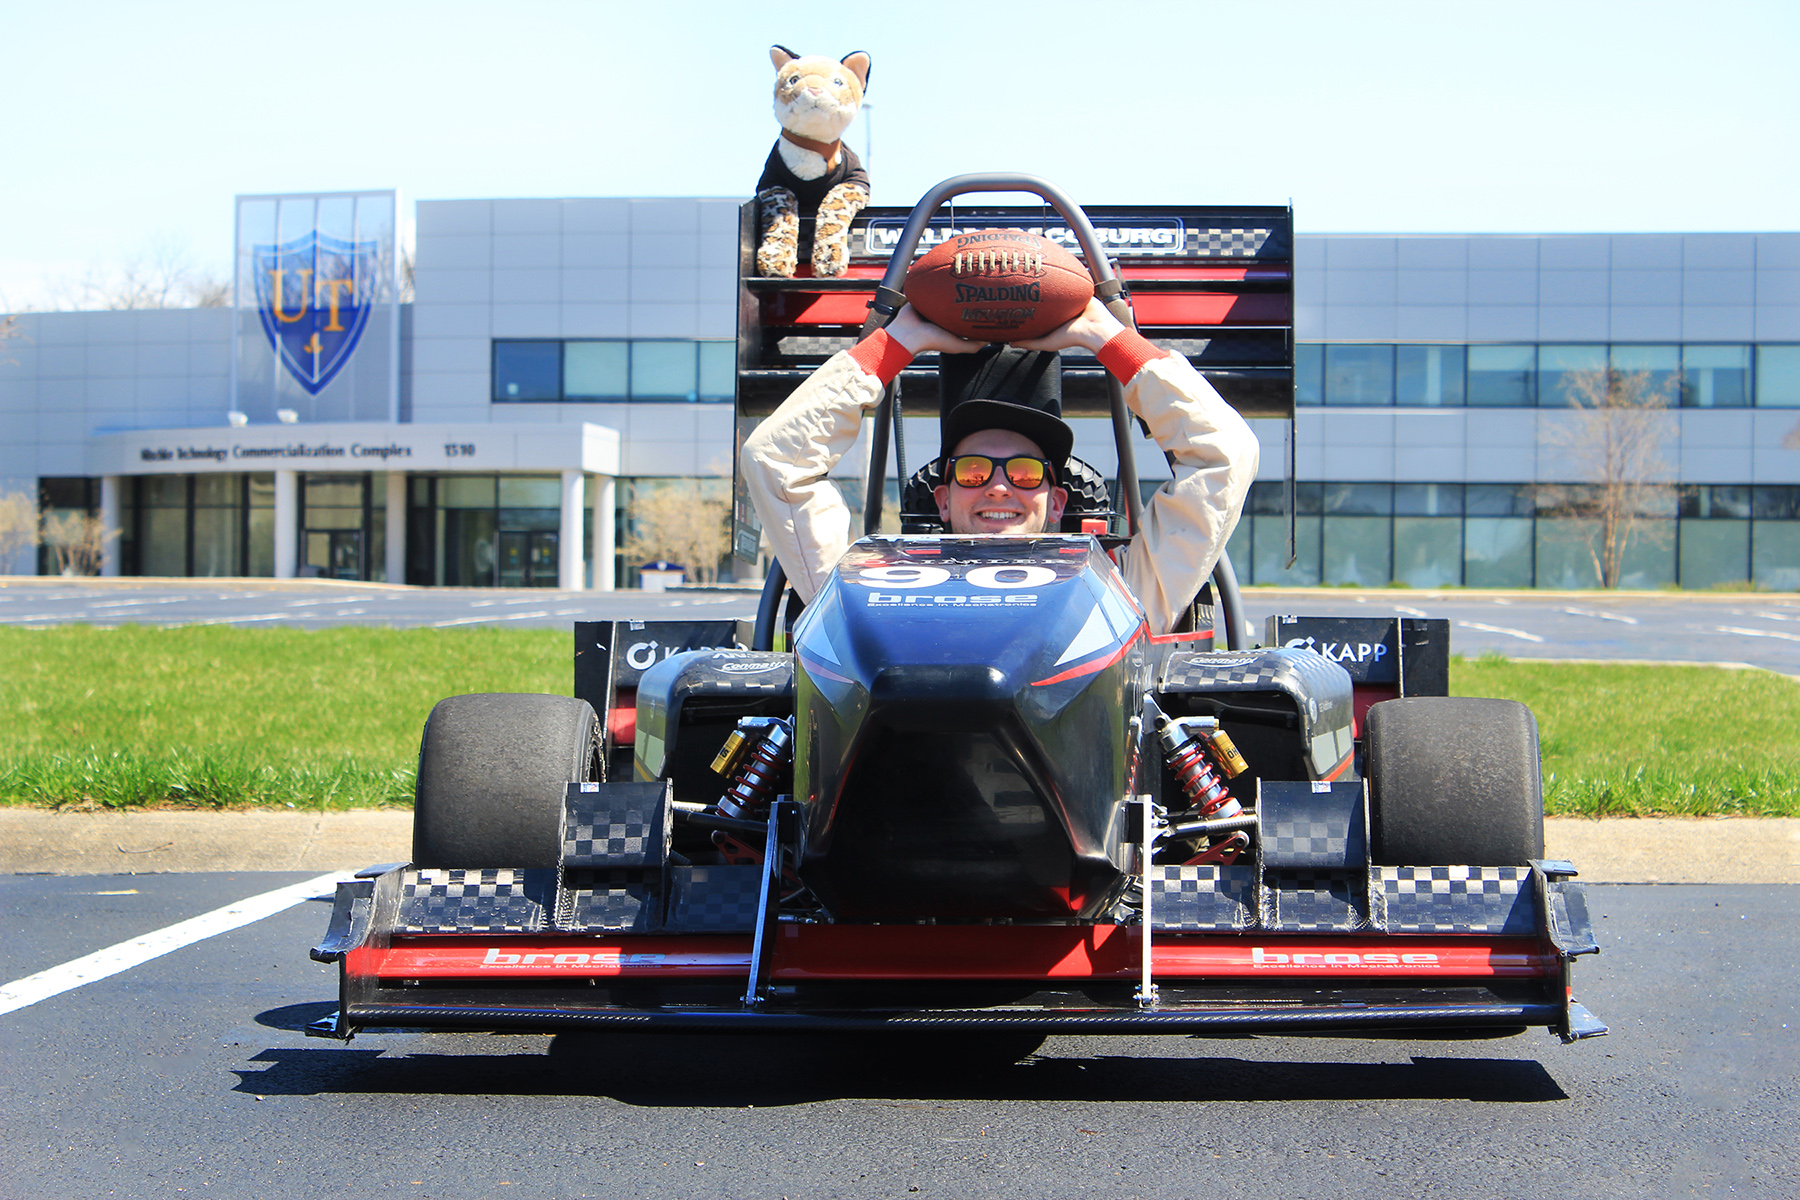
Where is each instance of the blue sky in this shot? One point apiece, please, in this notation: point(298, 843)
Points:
point(132, 126)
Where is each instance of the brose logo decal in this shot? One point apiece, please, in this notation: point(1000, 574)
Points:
point(1316, 960)
point(569, 958)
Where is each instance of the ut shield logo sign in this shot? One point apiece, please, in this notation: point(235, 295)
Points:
point(310, 293)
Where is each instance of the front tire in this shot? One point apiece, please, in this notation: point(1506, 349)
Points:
point(1454, 780)
point(493, 772)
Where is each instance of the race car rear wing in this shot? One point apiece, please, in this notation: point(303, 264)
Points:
point(1212, 282)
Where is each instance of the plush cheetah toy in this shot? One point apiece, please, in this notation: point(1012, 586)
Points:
point(811, 174)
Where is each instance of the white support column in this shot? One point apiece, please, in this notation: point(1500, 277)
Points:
point(605, 493)
point(568, 541)
point(109, 524)
point(396, 527)
point(287, 524)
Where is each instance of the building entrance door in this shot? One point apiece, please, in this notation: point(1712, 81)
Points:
point(335, 553)
point(527, 558)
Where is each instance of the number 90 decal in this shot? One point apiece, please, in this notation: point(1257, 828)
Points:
point(1005, 578)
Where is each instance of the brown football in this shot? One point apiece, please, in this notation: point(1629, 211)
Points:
point(999, 285)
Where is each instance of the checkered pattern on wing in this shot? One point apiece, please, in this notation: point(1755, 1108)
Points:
point(713, 899)
point(1492, 900)
point(1298, 842)
point(591, 839)
point(1306, 902)
point(1230, 243)
point(812, 347)
point(622, 901)
point(1206, 897)
point(458, 901)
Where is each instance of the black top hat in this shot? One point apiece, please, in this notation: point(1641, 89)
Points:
point(1005, 388)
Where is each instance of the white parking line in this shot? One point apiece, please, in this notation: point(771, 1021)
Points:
point(281, 616)
point(1602, 616)
point(1774, 633)
point(1776, 616)
point(1411, 612)
point(135, 603)
point(1518, 633)
point(122, 957)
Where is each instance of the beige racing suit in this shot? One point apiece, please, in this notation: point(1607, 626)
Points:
point(787, 460)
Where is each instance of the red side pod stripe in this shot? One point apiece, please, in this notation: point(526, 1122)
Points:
point(1099, 664)
point(889, 952)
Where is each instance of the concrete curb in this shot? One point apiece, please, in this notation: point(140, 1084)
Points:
point(36, 841)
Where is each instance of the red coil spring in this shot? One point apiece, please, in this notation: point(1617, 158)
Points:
point(1201, 783)
point(753, 786)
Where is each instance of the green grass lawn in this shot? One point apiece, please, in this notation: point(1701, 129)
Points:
point(214, 716)
point(1637, 740)
point(209, 715)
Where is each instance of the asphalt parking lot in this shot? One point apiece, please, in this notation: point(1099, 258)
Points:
point(1755, 629)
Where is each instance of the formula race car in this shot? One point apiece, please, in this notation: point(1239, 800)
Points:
point(971, 792)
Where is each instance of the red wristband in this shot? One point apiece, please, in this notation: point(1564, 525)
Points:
point(881, 355)
point(1126, 354)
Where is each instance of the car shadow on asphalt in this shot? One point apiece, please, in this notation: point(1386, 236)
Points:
point(734, 1071)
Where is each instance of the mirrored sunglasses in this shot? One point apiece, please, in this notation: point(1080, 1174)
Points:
point(1022, 471)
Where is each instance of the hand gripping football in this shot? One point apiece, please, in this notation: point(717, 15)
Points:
point(999, 285)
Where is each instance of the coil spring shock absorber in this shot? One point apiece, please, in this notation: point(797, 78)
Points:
point(1191, 746)
point(754, 758)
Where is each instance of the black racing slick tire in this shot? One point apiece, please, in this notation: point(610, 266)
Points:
point(493, 771)
point(1454, 780)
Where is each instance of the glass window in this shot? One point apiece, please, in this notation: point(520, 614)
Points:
point(718, 370)
point(1714, 552)
point(1358, 550)
point(596, 370)
point(216, 490)
point(1269, 553)
point(527, 371)
point(1309, 373)
point(1715, 376)
point(466, 491)
point(334, 491)
point(1778, 376)
point(1661, 364)
point(1499, 500)
point(531, 491)
point(1237, 549)
point(663, 371)
point(1428, 551)
point(1775, 554)
point(1565, 552)
point(1497, 552)
point(262, 491)
point(1501, 376)
point(164, 548)
point(1359, 499)
point(163, 491)
point(1429, 375)
point(1428, 500)
point(1715, 502)
point(1359, 375)
point(216, 541)
point(1566, 372)
point(1775, 502)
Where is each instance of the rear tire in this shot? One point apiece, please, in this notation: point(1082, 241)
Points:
point(493, 771)
point(1454, 780)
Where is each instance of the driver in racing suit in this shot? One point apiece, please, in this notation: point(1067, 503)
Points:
point(787, 459)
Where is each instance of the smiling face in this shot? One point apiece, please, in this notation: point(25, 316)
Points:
point(998, 506)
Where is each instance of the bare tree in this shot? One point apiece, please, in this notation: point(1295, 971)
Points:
point(673, 521)
point(18, 524)
point(79, 540)
point(161, 277)
point(1612, 437)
